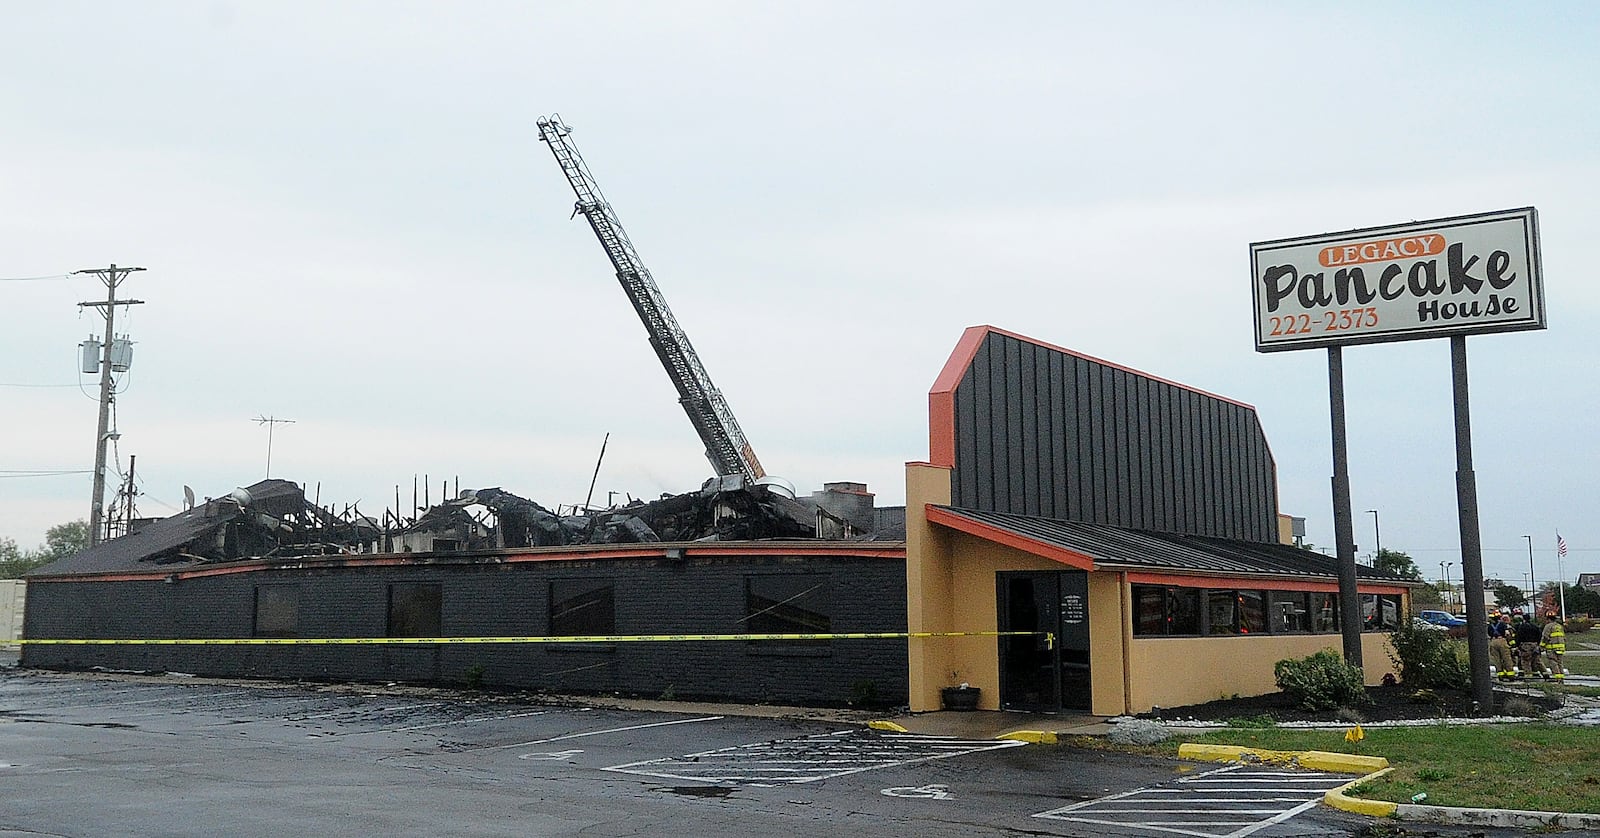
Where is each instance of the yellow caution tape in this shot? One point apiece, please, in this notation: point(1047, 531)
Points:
point(608, 638)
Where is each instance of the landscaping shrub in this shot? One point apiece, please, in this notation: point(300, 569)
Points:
point(1428, 659)
point(1578, 625)
point(1322, 681)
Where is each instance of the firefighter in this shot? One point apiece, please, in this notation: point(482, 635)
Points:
point(1554, 641)
point(1526, 635)
point(1502, 656)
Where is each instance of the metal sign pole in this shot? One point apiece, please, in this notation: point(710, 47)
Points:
point(1343, 523)
point(1471, 544)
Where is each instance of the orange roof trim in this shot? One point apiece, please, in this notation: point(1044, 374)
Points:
point(1044, 550)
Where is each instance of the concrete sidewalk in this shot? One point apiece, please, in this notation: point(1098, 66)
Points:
point(991, 724)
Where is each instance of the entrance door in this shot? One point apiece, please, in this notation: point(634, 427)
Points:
point(1029, 663)
point(1034, 675)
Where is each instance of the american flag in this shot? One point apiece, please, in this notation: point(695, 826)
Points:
point(1561, 546)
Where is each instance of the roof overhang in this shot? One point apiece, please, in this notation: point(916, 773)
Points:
point(1009, 538)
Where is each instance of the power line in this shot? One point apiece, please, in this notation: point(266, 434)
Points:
point(32, 278)
point(5, 473)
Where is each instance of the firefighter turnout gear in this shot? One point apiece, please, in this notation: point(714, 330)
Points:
point(1554, 641)
point(1503, 658)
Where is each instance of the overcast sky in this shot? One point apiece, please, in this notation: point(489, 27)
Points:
point(347, 219)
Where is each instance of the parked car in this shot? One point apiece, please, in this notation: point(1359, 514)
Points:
point(1442, 618)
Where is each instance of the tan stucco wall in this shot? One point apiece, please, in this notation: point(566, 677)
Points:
point(929, 586)
point(1178, 671)
point(950, 587)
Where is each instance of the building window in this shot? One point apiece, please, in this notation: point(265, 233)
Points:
point(1290, 612)
point(1149, 610)
point(582, 607)
point(1222, 612)
point(1325, 613)
point(414, 609)
point(1380, 612)
point(788, 604)
point(277, 611)
point(1252, 612)
point(1166, 611)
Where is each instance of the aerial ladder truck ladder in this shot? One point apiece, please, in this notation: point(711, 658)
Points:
point(726, 448)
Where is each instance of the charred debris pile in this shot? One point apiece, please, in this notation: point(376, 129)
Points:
point(274, 519)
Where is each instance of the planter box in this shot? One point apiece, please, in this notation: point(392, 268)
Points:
point(960, 698)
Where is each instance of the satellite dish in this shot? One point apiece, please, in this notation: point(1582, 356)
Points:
point(188, 498)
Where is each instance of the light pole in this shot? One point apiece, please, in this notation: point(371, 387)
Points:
point(1533, 595)
point(1377, 537)
point(1449, 598)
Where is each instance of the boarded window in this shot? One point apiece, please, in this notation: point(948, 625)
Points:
point(277, 611)
point(414, 609)
point(582, 607)
point(789, 604)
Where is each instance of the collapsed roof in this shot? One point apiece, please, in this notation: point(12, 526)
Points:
point(273, 519)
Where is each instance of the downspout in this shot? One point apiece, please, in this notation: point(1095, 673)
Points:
point(1127, 644)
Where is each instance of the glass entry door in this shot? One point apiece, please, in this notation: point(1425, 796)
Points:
point(1034, 674)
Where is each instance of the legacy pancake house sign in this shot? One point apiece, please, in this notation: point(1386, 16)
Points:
point(1450, 276)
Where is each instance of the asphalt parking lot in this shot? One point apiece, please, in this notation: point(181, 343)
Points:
point(88, 755)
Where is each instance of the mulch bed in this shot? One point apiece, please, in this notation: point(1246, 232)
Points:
point(1388, 703)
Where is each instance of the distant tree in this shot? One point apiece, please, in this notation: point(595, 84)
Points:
point(14, 562)
point(1493, 582)
point(60, 541)
point(1509, 596)
point(1582, 600)
point(8, 557)
point(1428, 597)
point(63, 540)
point(1396, 563)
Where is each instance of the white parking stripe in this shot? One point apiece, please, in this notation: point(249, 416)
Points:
point(1216, 804)
point(808, 759)
point(596, 733)
point(447, 723)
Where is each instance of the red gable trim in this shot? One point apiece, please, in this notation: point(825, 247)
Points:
point(1071, 558)
point(942, 398)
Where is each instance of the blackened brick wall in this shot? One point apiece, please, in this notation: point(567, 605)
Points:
point(489, 599)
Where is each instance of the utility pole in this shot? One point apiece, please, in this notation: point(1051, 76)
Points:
point(112, 277)
point(1533, 594)
point(269, 421)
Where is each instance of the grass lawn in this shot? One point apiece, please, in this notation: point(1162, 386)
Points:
point(1542, 767)
point(1582, 664)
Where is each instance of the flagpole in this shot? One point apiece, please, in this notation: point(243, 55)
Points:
point(1561, 575)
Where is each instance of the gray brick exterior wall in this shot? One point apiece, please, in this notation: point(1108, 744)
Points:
point(652, 596)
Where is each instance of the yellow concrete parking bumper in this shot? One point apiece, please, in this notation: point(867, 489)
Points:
point(1370, 767)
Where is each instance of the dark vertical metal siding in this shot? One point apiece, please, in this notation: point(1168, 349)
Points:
point(1042, 432)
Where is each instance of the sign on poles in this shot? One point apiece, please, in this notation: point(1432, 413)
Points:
point(1468, 274)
